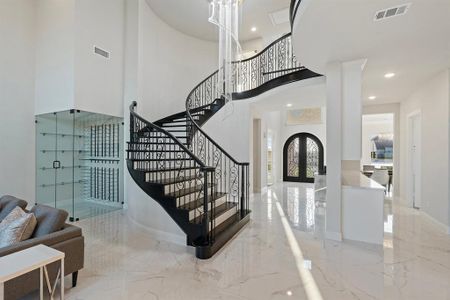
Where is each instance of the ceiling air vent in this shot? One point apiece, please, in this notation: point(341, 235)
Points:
point(279, 17)
point(392, 12)
point(101, 52)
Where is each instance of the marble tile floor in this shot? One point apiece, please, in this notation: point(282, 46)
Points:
point(281, 254)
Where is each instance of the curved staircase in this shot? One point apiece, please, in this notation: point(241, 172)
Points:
point(203, 188)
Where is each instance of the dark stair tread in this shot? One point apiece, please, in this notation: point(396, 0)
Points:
point(153, 143)
point(227, 223)
point(161, 159)
point(156, 151)
point(199, 203)
point(169, 125)
point(168, 181)
point(166, 170)
point(222, 235)
point(218, 211)
point(187, 191)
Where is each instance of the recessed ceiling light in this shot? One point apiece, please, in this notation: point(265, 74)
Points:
point(253, 29)
point(289, 293)
point(372, 97)
point(389, 75)
point(289, 105)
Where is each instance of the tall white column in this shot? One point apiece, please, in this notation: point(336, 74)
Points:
point(352, 109)
point(334, 150)
point(344, 123)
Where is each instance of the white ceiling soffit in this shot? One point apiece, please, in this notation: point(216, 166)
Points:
point(191, 18)
point(415, 45)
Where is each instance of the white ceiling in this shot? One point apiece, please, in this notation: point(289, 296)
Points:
point(191, 18)
point(301, 94)
point(415, 46)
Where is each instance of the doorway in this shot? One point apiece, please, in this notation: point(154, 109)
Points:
point(415, 160)
point(270, 175)
point(302, 158)
point(257, 186)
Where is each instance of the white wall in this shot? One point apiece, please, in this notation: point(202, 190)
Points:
point(169, 65)
point(432, 100)
point(54, 55)
point(232, 131)
point(99, 81)
point(17, 37)
point(68, 72)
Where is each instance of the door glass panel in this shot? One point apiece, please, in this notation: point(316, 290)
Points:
point(45, 157)
point(312, 158)
point(293, 158)
point(64, 157)
point(79, 162)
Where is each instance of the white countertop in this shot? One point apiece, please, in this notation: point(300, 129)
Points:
point(359, 180)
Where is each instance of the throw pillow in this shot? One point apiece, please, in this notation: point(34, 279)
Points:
point(16, 227)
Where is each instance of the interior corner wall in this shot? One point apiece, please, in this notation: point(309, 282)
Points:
point(54, 55)
point(98, 81)
point(17, 136)
point(432, 100)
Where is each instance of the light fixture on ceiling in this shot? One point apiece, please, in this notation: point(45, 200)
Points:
point(289, 293)
point(372, 97)
point(253, 29)
point(289, 105)
point(389, 75)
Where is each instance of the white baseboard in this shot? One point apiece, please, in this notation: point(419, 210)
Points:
point(439, 224)
point(334, 236)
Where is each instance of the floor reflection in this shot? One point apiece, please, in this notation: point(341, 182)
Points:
point(304, 210)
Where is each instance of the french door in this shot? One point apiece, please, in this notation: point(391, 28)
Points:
point(302, 157)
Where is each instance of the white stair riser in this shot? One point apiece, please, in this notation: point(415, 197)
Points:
point(170, 188)
point(199, 211)
point(164, 156)
point(190, 197)
point(225, 216)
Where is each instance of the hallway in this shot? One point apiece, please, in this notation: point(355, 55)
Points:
point(281, 254)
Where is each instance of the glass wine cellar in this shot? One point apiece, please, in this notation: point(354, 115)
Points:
point(79, 162)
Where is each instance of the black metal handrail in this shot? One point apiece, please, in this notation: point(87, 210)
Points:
point(293, 10)
point(275, 61)
point(262, 69)
point(149, 125)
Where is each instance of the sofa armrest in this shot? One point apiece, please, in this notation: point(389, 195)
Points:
point(67, 233)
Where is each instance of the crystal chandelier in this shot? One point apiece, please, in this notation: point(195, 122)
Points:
point(225, 15)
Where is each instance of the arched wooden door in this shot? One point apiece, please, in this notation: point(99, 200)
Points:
point(302, 157)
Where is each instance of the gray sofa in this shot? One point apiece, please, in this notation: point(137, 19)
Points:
point(52, 231)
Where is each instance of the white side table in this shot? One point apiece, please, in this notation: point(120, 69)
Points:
point(25, 261)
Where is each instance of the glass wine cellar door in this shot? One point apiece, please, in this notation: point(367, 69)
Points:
point(79, 162)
